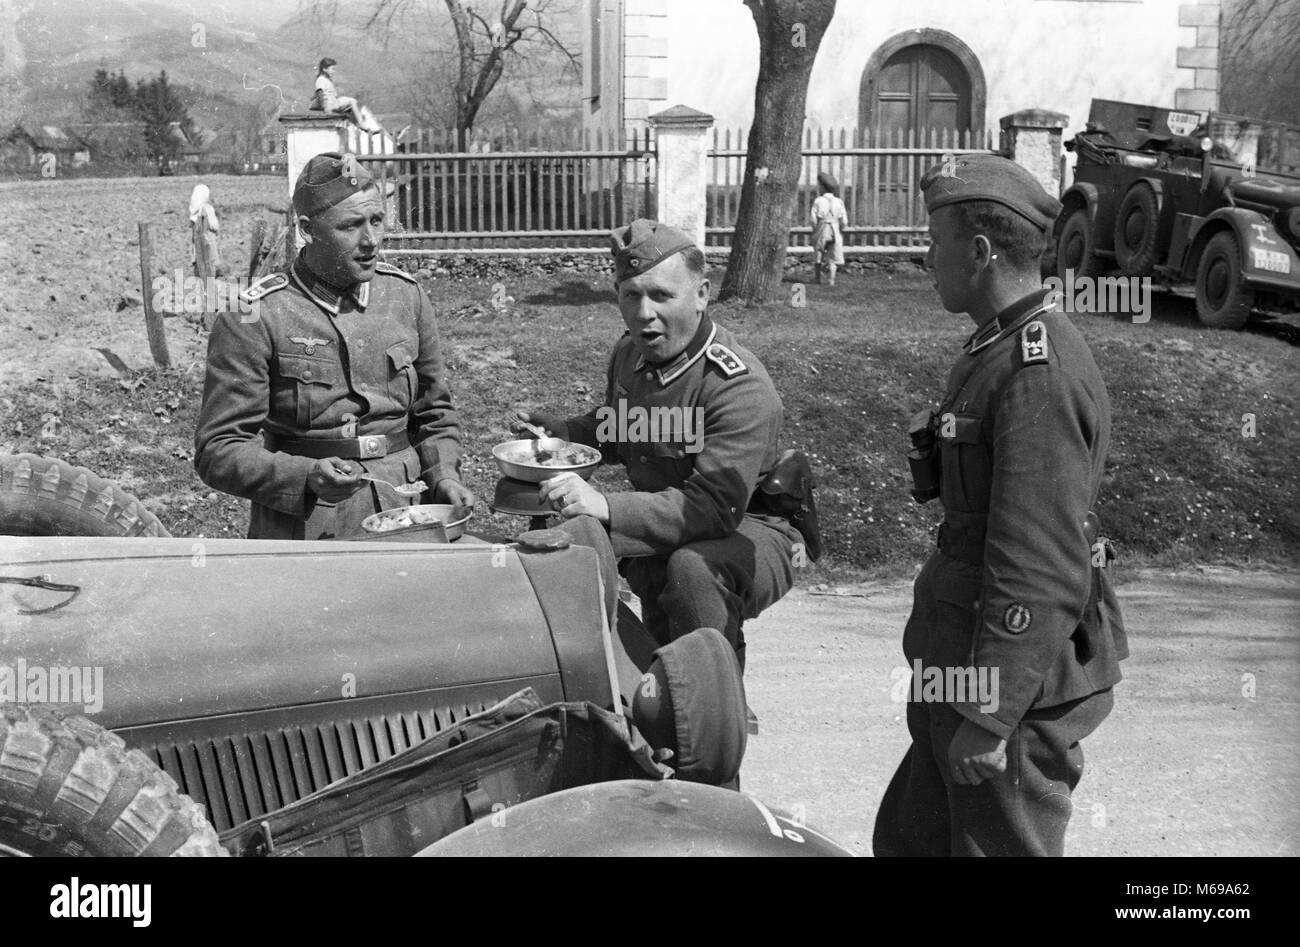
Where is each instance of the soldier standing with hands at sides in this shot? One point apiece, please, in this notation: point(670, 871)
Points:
point(1015, 453)
point(336, 372)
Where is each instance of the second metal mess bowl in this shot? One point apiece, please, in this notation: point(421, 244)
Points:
point(408, 522)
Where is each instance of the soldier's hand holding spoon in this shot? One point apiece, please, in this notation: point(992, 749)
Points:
point(334, 480)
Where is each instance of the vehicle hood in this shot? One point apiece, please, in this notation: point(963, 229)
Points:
point(183, 628)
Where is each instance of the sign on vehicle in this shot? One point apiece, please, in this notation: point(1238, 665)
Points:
point(1274, 261)
point(1183, 123)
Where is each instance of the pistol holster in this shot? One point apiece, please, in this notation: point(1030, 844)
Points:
point(787, 491)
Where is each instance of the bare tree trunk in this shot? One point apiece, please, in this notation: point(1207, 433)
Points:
point(789, 34)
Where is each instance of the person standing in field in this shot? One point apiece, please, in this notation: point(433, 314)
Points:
point(205, 252)
point(828, 220)
point(327, 99)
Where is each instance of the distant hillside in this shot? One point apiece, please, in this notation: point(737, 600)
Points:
point(246, 67)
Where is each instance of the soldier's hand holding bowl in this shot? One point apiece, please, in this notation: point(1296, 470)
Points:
point(570, 496)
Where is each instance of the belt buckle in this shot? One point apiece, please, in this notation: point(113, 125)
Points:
point(372, 446)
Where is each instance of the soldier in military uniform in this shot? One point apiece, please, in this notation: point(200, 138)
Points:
point(1018, 582)
point(338, 368)
point(691, 547)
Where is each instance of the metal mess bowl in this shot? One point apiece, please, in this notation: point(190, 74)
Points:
point(441, 513)
point(507, 453)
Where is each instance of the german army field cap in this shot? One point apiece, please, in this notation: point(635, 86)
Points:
point(644, 244)
point(327, 180)
point(984, 177)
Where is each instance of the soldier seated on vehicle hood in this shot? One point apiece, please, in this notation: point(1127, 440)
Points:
point(696, 540)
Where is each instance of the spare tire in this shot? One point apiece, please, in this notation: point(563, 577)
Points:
point(43, 496)
point(69, 787)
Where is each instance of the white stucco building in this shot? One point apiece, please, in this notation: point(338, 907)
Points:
point(887, 65)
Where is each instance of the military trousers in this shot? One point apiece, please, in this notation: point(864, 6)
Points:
point(715, 583)
point(1023, 811)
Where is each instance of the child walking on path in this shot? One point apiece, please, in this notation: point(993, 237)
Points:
point(828, 220)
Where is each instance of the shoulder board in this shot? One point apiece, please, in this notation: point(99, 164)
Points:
point(725, 359)
point(264, 287)
point(1033, 344)
point(391, 270)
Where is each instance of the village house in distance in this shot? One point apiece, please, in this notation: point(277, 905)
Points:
point(906, 65)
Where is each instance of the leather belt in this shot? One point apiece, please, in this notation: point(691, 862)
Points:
point(366, 447)
point(967, 545)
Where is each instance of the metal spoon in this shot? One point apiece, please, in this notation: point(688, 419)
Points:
point(545, 444)
point(405, 489)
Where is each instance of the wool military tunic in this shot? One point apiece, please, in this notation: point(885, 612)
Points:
point(312, 363)
point(1018, 583)
point(684, 494)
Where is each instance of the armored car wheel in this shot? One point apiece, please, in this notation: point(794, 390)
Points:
point(1137, 230)
point(43, 496)
point(1076, 251)
point(1223, 300)
point(69, 787)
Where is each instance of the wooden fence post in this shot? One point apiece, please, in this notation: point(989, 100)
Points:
point(153, 320)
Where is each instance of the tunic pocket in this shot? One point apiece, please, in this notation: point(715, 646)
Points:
point(401, 373)
point(967, 469)
point(311, 380)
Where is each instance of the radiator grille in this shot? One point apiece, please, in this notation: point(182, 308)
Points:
point(241, 777)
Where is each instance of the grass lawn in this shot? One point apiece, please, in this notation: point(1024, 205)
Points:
point(1183, 483)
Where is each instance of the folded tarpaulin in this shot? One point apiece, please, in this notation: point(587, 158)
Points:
point(515, 750)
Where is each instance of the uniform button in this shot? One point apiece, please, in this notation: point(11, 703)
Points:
point(642, 458)
point(649, 376)
point(306, 373)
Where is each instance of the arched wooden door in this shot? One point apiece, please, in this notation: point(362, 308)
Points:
point(917, 93)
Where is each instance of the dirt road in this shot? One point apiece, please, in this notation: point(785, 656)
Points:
point(1198, 758)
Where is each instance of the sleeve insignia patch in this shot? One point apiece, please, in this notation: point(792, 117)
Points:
point(724, 358)
point(264, 287)
point(391, 270)
point(1033, 344)
point(1017, 618)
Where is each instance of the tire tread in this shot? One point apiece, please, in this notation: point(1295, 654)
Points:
point(117, 801)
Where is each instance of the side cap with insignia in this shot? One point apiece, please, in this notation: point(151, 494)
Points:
point(1033, 344)
point(264, 287)
point(725, 359)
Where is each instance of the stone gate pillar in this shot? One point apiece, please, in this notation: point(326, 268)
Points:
point(1032, 139)
point(682, 168)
